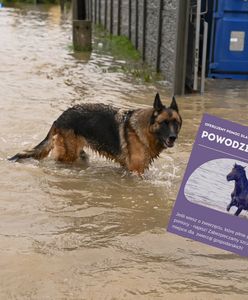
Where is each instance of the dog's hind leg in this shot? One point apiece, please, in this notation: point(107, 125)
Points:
point(67, 147)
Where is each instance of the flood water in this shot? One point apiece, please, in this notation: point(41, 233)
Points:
point(69, 232)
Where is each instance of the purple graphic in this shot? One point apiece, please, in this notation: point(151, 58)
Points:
point(212, 203)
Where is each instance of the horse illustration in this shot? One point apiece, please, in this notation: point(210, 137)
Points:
point(239, 196)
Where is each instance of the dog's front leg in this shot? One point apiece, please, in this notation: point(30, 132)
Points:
point(136, 166)
point(136, 158)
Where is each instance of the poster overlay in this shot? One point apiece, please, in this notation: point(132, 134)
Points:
point(212, 203)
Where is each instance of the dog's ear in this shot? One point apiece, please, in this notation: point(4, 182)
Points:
point(173, 104)
point(157, 104)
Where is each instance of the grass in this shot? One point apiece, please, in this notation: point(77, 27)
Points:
point(121, 48)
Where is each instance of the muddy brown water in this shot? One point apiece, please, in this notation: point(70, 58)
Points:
point(96, 232)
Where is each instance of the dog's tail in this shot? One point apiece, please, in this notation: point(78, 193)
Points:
point(40, 151)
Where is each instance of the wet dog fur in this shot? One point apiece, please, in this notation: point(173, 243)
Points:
point(133, 138)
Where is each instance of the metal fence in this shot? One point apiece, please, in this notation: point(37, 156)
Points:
point(150, 25)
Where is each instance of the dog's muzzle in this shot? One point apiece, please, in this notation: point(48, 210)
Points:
point(169, 142)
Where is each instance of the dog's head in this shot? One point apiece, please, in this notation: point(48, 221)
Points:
point(165, 122)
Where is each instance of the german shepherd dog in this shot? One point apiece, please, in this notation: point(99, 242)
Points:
point(133, 138)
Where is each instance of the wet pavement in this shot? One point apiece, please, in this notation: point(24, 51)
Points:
point(70, 232)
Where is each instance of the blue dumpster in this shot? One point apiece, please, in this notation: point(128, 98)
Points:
point(228, 55)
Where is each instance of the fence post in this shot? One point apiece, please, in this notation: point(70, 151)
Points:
point(62, 5)
point(181, 46)
point(129, 19)
point(95, 10)
point(81, 27)
point(111, 17)
point(105, 13)
point(144, 31)
point(119, 17)
point(90, 10)
point(159, 37)
point(74, 10)
point(99, 11)
point(136, 24)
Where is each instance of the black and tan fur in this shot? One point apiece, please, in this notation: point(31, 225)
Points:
point(133, 138)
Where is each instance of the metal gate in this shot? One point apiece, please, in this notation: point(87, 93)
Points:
point(228, 57)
